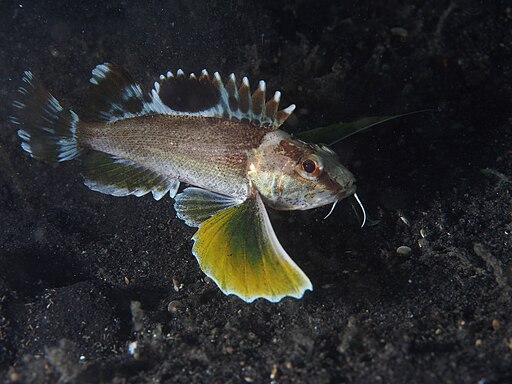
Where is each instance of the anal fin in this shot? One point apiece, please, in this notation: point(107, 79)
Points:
point(117, 176)
point(238, 249)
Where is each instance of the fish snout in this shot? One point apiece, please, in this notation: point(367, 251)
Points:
point(346, 183)
point(349, 190)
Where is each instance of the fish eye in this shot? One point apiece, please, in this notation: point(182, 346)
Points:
point(309, 166)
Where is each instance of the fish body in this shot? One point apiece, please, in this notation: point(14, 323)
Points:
point(209, 153)
point(216, 137)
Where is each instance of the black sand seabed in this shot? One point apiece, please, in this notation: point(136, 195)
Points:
point(84, 277)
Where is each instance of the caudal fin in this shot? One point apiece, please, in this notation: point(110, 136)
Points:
point(47, 130)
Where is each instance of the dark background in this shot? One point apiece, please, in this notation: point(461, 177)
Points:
point(83, 275)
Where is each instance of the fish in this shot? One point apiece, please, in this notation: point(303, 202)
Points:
point(220, 142)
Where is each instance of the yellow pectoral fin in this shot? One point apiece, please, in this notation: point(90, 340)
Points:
point(238, 249)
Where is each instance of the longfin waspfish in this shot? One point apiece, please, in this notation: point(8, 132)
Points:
point(213, 135)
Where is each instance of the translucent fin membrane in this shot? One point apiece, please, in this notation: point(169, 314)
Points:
point(116, 176)
point(47, 130)
point(114, 95)
point(195, 205)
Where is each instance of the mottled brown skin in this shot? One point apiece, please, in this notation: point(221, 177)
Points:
point(207, 152)
point(290, 150)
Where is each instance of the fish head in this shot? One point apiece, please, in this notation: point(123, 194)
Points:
point(293, 175)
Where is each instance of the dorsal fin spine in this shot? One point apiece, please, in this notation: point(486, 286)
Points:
point(271, 108)
point(258, 103)
point(283, 114)
point(233, 100)
point(245, 99)
point(223, 106)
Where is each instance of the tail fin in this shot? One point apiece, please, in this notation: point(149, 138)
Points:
point(47, 129)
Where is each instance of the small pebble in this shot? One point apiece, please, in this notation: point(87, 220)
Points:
point(400, 32)
point(403, 250)
point(496, 324)
point(174, 306)
point(273, 373)
point(15, 377)
point(229, 350)
point(405, 220)
point(134, 350)
point(176, 284)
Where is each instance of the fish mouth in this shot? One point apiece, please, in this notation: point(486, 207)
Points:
point(341, 195)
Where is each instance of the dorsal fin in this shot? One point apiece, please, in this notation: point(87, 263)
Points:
point(115, 96)
point(206, 96)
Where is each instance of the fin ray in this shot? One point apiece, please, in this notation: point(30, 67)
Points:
point(210, 97)
point(47, 130)
point(116, 176)
point(114, 95)
point(239, 250)
point(195, 205)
